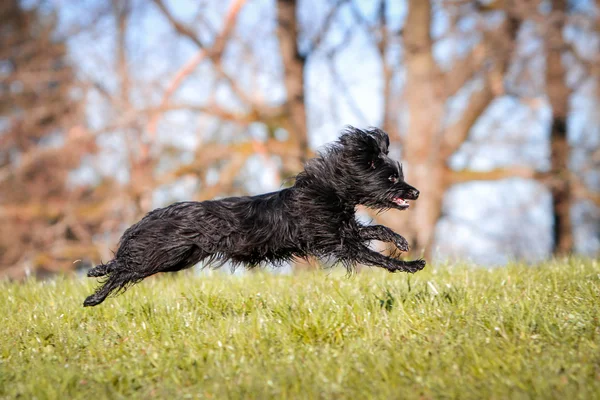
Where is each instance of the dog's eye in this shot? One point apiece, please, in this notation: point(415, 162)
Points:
point(393, 178)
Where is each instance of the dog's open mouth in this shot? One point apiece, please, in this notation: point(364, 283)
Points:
point(400, 202)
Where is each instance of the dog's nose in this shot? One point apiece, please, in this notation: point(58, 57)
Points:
point(416, 193)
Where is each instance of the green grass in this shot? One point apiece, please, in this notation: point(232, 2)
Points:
point(451, 332)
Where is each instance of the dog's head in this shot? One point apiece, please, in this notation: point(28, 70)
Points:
point(378, 181)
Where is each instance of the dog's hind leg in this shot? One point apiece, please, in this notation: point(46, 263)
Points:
point(102, 269)
point(116, 281)
point(369, 257)
point(121, 274)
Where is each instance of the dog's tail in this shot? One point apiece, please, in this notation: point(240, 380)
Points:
point(118, 278)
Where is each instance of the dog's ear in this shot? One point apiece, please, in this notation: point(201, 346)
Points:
point(374, 154)
point(382, 138)
point(371, 151)
point(363, 146)
point(377, 146)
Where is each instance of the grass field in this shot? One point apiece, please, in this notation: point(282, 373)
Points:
point(448, 332)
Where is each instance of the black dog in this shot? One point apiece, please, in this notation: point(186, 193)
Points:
point(315, 217)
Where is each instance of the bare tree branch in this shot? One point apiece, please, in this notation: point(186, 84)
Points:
point(457, 133)
point(324, 29)
point(215, 50)
point(502, 45)
point(179, 27)
point(464, 70)
point(462, 176)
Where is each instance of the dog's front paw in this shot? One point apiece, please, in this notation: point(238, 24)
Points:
point(401, 243)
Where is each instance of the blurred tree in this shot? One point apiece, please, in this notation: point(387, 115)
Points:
point(432, 136)
point(284, 153)
point(429, 141)
point(565, 180)
point(40, 143)
point(559, 93)
point(293, 75)
point(35, 78)
point(290, 115)
point(247, 107)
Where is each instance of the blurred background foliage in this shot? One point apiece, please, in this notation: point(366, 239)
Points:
point(112, 108)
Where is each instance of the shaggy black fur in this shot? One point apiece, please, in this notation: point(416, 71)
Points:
point(315, 217)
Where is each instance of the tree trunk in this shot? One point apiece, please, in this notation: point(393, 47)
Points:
point(425, 101)
point(389, 122)
point(558, 95)
point(293, 78)
point(428, 145)
point(293, 70)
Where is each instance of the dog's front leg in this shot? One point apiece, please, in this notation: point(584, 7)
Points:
point(369, 257)
point(385, 234)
